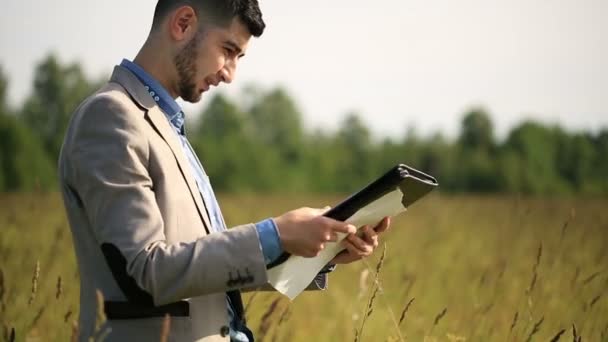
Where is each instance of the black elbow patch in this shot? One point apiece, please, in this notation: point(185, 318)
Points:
point(118, 266)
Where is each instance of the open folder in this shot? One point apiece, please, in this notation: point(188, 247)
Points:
point(389, 195)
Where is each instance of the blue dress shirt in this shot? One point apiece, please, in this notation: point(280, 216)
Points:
point(267, 229)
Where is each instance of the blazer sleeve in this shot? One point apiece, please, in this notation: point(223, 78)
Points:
point(108, 160)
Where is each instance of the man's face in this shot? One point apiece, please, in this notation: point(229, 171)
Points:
point(210, 58)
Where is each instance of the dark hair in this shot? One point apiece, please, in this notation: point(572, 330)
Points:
point(221, 11)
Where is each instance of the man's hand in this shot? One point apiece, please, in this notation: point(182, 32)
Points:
point(361, 247)
point(305, 231)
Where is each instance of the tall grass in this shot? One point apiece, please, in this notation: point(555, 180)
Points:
point(479, 268)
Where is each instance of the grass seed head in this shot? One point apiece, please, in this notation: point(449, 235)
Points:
point(440, 316)
point(59, 288)
point(405, 310)
point(265, 324)
point(535, 329)
point(35, 278)
point(558, 335)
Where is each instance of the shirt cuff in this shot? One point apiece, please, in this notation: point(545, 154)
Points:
point(269, 239)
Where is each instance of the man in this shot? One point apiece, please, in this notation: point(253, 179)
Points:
point(147, 229)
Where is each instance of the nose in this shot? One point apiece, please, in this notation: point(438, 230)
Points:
point(225, 76)
point(228, 71)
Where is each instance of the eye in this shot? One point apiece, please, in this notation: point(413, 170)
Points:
point(228, 51)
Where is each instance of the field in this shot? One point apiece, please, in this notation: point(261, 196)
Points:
point(471, 268)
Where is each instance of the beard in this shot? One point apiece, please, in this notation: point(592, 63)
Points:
point(185, 64)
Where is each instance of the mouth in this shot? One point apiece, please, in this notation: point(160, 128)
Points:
point(210, 83)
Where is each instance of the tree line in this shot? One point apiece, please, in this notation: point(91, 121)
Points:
point(259, 144)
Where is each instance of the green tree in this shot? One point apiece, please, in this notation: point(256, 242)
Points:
point(232, 157)
point(477, 167)
point(354, 154)
point(599, 183)
point(536, 146)
point(574, 159)
point(57, 91)
point(277, 123)
point(23, 163)
point(477, 131)
point(3, 91)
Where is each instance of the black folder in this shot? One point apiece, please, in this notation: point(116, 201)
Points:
point(413, 184)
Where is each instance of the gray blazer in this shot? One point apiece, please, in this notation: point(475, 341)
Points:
point(140, 226)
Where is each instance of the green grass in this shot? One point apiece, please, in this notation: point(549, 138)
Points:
point(474, 257)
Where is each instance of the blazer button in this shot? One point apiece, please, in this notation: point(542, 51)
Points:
point(224, 331)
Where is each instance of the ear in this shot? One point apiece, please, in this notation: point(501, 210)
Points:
point(183, 23)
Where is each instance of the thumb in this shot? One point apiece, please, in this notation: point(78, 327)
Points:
point(321, 211)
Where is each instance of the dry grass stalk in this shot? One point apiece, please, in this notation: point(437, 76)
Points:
point(558, 335)
point(67, 315)
point(59, 288)
point(35, 278)
point(535, 269)
point(564, 227)
point(535, 329)
point(594, 300)
point(482, 280)
point(575, 278)
point(363, 283)
point(266, 318)
point(75, 332)
point(1, 290)
point(575, 336)
point(590, 278)
point(164, 332)
point(405, 309)
point(370, 303)
point(381, 262)
point(248, 305)
point(455, 338)
point(284, 316)
point(38, 316)
point(514, 322)
point(437, 319)
point(440, 316)
point(487, 308)
point(368, 312)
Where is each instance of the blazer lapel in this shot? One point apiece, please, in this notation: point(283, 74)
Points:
point(158, 119)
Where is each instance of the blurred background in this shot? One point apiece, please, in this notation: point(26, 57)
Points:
point(504, 102)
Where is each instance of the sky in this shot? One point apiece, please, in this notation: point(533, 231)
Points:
point(398, 63)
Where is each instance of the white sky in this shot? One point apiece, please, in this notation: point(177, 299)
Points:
point(397, 62)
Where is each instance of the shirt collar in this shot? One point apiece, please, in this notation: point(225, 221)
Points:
point(165, 101)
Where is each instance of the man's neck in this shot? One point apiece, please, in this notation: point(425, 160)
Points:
point(157, 66)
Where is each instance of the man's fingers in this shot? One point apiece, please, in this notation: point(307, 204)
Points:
point(383, 225)
point(371, 237)
point(359, 243)
point(331, 236)
point(352, 249)
point(318, 211)
point(339, 227)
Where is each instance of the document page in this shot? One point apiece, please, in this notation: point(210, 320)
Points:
point(296, 273)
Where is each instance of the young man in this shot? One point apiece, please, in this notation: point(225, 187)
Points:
point(147, 228)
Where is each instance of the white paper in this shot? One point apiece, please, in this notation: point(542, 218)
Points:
point(294, 275)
